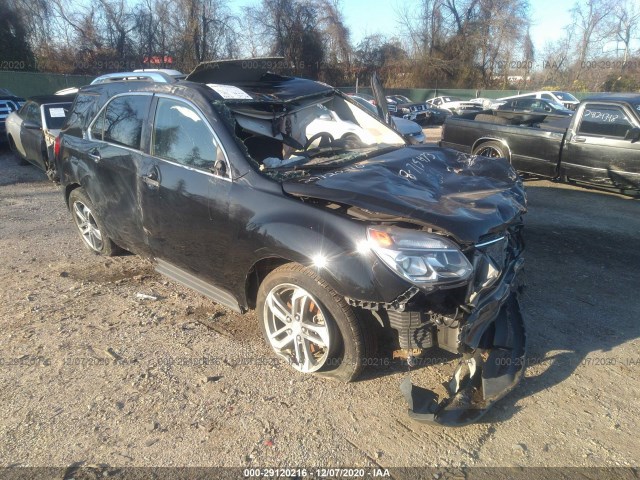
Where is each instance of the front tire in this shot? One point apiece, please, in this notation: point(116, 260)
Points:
point(310, 325)
point(89, 225)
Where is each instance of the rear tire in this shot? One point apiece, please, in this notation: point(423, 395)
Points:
point(14, 149)
point(89, 225)
point(310, 325)
point(491, 150)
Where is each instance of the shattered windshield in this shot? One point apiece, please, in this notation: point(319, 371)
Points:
point(317, 132)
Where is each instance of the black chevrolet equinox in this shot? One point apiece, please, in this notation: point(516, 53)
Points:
point(283, 195)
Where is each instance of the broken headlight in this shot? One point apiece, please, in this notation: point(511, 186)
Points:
point(422, 258)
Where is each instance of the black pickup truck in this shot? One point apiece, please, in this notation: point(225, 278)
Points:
point(598, 145)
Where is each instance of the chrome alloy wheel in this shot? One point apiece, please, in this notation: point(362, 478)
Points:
point(297, 327)
point(88, 227)
point(490, 152)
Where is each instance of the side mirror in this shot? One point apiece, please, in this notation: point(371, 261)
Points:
point(31, 125)
point(220, 168)
point(633, 134)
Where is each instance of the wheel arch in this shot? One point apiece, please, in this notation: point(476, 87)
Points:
point(256, 275)
point(483, 140)
point(67, 192)
point(12, 143)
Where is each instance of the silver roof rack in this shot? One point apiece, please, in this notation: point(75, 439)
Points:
point(158, 77)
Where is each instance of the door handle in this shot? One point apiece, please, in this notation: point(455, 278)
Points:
point(95, 155)
point(579, 139)
point(152, 178)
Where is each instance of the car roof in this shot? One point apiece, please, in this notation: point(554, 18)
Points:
point(616, 97)
point(528, 94)
point(152, 76)
point(226, 80)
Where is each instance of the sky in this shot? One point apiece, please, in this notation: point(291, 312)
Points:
point(367, 17)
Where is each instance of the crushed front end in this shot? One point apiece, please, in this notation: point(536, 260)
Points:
point(479, 320)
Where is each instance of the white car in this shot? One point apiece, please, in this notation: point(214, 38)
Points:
point(31, 131)
point(454, 104)
point(328, 122)
point(562, 98)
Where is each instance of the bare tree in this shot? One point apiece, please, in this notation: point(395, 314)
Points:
point(589, 23)
point(626, 25)
point(203, 30)
point(14, 42)
point(289, 28)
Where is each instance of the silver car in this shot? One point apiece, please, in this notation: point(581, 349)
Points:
point(31, 131)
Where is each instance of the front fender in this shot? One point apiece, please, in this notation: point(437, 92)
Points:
point(337, 255)
point(311, 235)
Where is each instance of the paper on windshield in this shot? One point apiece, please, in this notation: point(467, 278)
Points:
point(229, 92)
point(56, 113)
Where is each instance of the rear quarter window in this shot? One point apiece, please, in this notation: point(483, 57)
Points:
point(122, 120)
point(82, 111)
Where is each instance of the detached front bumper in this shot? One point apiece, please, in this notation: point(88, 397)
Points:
point(494, 337)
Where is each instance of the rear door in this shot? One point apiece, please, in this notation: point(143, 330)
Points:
point(184, 191)
point(31, 138)
point(111, 160)
point(597, 151)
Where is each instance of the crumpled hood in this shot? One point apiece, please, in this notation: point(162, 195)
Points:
point(467, 196)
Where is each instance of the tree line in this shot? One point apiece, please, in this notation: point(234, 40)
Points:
point(430, 43)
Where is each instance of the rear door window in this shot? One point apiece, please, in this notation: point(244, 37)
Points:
point(55, 114)
point(605, 121)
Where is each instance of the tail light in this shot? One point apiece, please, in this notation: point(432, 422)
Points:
point(56, 147)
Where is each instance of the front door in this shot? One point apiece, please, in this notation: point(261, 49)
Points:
point(184, 189)
point(112, 156)
point(597, 151)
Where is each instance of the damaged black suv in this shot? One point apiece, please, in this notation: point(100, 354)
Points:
point(283, 195)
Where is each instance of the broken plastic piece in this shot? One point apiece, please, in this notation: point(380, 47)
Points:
point(481, 378)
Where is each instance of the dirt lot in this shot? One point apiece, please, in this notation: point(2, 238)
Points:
point(91, 373)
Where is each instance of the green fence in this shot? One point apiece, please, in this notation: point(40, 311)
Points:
point(28, 84)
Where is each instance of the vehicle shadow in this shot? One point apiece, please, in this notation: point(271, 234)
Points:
point(581, 298)
point(13, 170)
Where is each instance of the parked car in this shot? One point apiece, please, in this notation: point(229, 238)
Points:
point(149, 74)
point(535, 105)
point(598, 144)
point(32, 130)
point(563, 98)
point(411, 131)
point(216, 181)
point(369, 98)
point(403, 107)
point(455, 105)
point(8, 103)
point(327, 121)
point(420, 112)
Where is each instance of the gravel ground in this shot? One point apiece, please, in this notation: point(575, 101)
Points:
point(92, 374)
